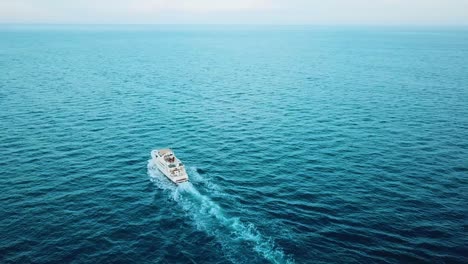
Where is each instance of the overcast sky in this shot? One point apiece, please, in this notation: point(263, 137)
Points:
point(324, 12)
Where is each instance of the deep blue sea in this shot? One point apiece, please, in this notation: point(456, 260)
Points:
point(303, 144)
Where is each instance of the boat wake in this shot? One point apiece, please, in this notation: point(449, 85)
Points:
point(233, 235)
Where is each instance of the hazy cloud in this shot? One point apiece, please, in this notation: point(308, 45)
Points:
point(237, 12)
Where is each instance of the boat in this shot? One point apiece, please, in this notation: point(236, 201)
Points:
point(169, 165)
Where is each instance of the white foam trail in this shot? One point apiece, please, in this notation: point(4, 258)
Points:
point(195, 177)
point(209, 217)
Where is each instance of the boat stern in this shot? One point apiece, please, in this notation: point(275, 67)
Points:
point(179, 179)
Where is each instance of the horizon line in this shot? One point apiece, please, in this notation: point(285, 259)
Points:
point(236, 24)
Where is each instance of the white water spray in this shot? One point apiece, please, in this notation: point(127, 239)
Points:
point(209, 217)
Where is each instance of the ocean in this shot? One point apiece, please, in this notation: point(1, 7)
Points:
point(303, 144)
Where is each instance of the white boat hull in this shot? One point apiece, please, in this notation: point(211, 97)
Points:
point(177, 177)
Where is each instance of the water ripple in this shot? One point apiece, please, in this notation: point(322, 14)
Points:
point(305, 145)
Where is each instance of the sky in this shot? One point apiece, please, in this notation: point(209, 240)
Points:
point(280, 12)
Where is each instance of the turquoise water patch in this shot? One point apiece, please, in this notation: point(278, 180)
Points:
point(303, 145)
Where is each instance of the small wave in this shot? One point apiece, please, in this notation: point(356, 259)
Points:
point(208, 216)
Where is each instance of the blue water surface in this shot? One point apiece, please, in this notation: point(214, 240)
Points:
point(303, 144)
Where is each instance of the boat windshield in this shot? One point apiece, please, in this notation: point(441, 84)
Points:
point(172, 166)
